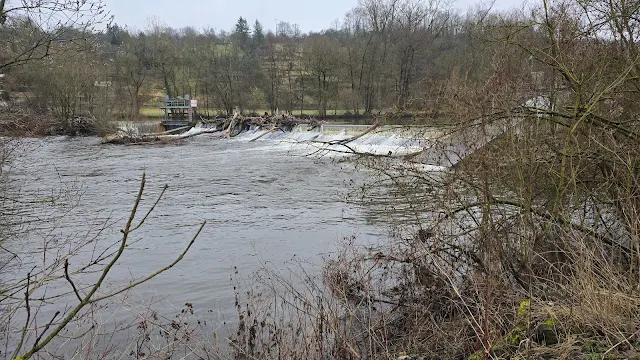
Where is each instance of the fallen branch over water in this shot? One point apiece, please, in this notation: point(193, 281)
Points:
point(345, 143)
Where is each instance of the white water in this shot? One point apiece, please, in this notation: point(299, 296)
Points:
point(325, 139)
point(437, 149)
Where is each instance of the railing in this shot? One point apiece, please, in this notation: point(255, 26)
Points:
point(174, 103)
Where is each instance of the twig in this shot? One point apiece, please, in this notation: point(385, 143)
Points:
point(136, 283)
point(26, 325)
point(66, 275)
point(88, 298)
point(604, 356)
point(164, 189)
point(346, 141)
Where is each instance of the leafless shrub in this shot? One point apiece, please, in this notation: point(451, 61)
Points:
point(34, 324)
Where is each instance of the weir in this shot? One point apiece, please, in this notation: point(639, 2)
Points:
point(435, 147)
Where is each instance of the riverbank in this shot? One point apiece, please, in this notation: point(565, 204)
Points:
point(18, 120)
point(388, 117)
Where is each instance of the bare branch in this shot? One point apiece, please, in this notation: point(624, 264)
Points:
point(66, 275)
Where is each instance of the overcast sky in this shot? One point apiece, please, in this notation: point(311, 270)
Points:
point(222, 14)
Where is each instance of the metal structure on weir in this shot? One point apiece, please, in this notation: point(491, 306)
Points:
point(178, 112)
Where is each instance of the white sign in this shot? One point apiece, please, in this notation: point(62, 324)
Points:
point(194, 103)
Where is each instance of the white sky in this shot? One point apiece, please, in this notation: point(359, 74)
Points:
point(223, 14)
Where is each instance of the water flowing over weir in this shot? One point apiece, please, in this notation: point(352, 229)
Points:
point(396, 140)
point(335, 138)
point(436, 148)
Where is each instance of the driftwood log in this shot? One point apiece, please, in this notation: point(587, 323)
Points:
point(236, 124)
point(159, 138)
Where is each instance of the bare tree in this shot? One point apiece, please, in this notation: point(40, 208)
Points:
point(322, 58)
point(418, 26)
point(133, 66)
point(32, 29)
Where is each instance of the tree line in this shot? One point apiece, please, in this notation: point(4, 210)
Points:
point(379, 58)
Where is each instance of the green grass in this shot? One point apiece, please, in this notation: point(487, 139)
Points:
point(151, 112)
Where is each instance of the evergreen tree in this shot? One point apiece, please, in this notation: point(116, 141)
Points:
point(241, 35)
point(258, 39)
point(114, 33)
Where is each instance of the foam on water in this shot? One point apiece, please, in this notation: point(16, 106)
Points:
point(384, 141)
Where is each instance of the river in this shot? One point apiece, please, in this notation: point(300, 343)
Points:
point(265, 204)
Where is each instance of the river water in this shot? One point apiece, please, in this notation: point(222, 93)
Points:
point(265, 204)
